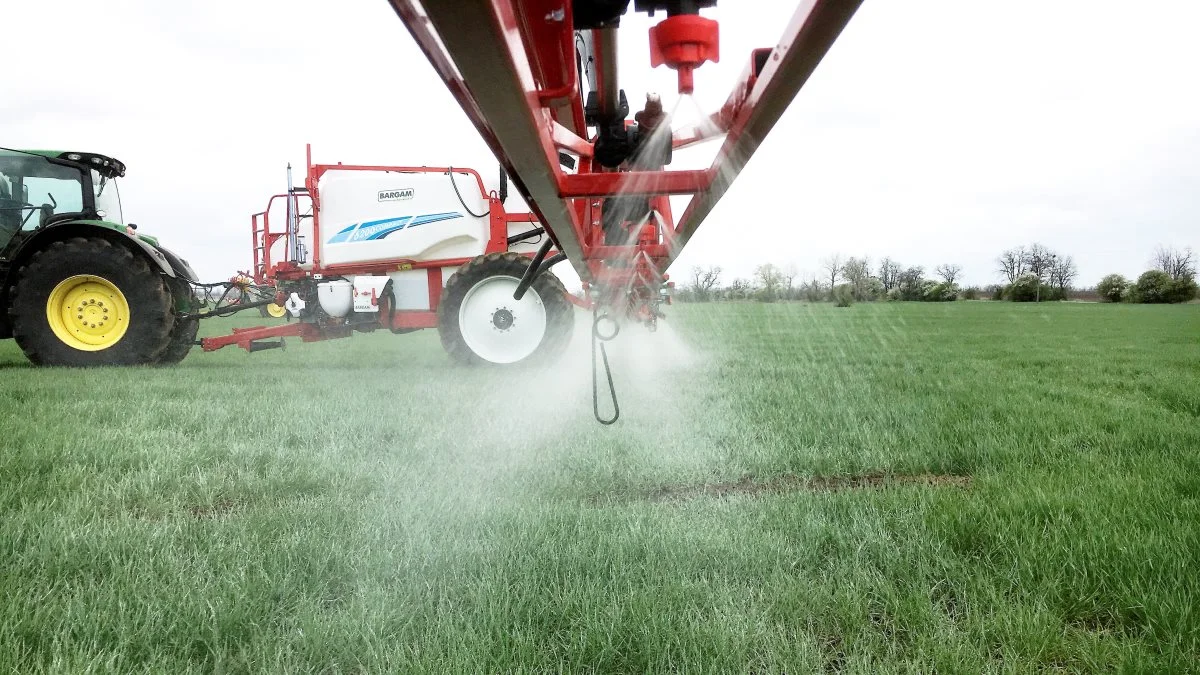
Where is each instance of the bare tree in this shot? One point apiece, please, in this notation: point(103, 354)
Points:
point(1179, 264)
point(1040, 260)
point(789, 272)
point(813, 290)
point(857, 272)
point(948, 272)
point(1013, 263)
point(704, 280)
point(1062, 273)
point(833, 267)
point(769, 280)
point(910, 283)
point(889, 274)
point(739, 289)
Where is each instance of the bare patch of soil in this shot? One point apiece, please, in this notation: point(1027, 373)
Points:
point(215, 510)
point(835, 657)
point(748, 485)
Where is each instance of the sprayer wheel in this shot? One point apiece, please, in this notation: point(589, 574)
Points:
point(480, 322)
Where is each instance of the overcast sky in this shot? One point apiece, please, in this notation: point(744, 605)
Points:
point(934, 131)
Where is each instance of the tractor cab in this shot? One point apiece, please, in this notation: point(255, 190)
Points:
point(78, 286)
point(39, 188)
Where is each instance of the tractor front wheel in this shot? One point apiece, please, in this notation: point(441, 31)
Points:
point(480, 322)
point(87, 302)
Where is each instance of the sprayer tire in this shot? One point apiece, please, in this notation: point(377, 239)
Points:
point(560, 321)
point(183, 331)
point(142, 291)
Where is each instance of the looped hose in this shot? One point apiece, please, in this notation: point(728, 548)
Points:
point(450, 172)
point(599, 337)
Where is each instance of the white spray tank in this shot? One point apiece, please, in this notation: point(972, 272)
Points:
point(386, 214)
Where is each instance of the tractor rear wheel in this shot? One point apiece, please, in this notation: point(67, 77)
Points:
point(87, 302)
point(480, 322)
point(183, 331)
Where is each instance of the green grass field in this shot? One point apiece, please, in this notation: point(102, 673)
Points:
point(969, 487)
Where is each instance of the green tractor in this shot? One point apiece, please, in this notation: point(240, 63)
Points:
point(79, 286)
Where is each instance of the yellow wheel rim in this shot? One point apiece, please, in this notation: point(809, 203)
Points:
point(277, 311)
point(88, 313)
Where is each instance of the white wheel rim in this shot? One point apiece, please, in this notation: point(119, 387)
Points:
point(496, 327)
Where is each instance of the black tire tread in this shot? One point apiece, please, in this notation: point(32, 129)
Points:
point(183, 331)
point(148, 297)
point(560, 320)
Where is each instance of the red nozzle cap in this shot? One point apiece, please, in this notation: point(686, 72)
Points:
point(684, 42)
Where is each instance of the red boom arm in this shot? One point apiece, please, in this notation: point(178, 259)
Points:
point(512, 66)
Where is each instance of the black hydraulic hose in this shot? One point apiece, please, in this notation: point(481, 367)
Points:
point(226, 311)
point(531, 272)
point(450, 172)
point(525, 235)
point(600, 338)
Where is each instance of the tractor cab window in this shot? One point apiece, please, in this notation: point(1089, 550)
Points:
point(108, 199)
point(10, 210)
point(57, 191)
point(33, 188)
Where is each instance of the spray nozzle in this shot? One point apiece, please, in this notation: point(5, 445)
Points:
point(684, 42)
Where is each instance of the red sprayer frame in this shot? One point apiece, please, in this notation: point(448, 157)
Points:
point(511, 65)
point(267, 272)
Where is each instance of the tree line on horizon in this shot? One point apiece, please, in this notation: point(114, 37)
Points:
point(1031, 273)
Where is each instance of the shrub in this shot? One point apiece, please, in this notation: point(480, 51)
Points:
point(939, 292)
point(870, 289)
point(1027, 288)
point(812, 292)
point(1157, 286)
point(843, 295)
point(1024, 289)
point(1053, 293)
point(1112, 288)
point(970, 293)
point(1183, 290)
point(1154, 286)
point(996, 291)
point(912, 290)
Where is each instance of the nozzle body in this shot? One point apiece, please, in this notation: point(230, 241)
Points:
point(683, 43)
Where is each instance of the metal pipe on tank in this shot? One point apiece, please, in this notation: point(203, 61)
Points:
point(293, 221)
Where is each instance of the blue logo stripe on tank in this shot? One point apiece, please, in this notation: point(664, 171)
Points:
point(342, 234)
point(422, 220)
point(368, 230)
point(378, 229)
point(433, 218)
